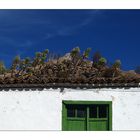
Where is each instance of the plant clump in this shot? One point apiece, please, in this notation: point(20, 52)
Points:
point(74, 67)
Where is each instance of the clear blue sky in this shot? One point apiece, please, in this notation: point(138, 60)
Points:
point(115, 33)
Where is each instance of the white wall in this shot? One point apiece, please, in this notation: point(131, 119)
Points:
point(42, 110)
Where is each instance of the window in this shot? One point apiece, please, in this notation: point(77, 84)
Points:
point(98, 111)
point(76, 111)
point(91, 116)
point(103, 111)
point(70, 112)
point(81, 112)
point(93, 111)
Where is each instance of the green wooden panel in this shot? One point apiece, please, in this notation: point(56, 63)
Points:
point(98, 125)
point(76, 125)
point(86, 123)
point(87, 119)
point(64, 118)
point(86, 102)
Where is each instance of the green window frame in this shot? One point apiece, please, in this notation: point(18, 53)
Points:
point(86, 103)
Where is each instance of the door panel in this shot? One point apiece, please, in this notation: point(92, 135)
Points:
point(76, 125)
point(97, 125)
point(87, 117)
point(76, 116)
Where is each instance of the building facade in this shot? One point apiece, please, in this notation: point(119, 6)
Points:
point(86, 108)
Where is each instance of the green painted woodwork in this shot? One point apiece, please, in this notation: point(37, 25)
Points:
point(76, 125)
point(80, 117)
point(98, 125)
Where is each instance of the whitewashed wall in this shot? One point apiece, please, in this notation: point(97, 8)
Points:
point(42, 110)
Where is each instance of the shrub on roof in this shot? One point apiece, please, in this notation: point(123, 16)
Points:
point(73, 68)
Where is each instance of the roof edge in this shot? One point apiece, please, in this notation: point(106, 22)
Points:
point(67, 85)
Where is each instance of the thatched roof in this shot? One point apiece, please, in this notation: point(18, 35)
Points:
point(70, 70)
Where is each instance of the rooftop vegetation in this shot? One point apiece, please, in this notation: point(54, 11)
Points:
point(74, 67)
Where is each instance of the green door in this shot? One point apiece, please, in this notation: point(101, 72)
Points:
point(86, 116)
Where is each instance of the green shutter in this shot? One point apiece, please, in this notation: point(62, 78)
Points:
point(87, 116)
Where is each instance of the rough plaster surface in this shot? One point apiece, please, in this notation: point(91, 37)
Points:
point(42, 110)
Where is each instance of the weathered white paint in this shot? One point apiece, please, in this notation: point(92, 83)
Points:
point(42, 110)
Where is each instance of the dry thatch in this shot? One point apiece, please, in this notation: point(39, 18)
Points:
point(69, 69)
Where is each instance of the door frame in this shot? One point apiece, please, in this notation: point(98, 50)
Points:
point(73, 102)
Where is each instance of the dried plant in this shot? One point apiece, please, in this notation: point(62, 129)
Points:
point(75, 67)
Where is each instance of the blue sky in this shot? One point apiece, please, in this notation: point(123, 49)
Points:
point(115, 33)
